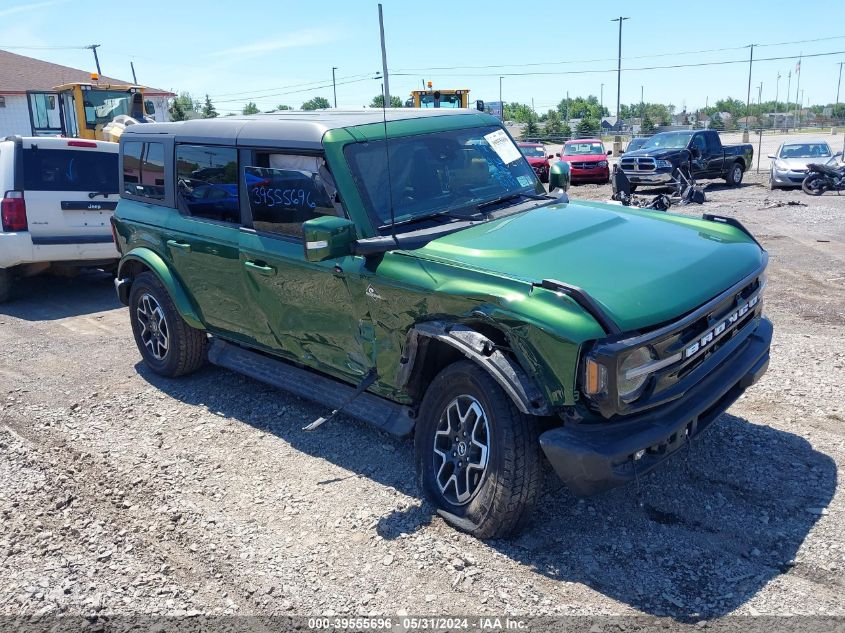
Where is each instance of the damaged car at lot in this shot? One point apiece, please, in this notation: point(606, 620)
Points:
point(411, 271)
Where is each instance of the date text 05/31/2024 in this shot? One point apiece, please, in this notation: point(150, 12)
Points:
point(487, 623)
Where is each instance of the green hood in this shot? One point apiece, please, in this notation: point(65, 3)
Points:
point(643, 267)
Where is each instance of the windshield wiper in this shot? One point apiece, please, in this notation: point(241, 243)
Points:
point(511, 196)
point(428, 216)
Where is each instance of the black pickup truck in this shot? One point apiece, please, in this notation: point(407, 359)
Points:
point(656, 163)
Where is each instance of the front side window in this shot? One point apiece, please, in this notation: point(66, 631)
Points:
point(69, 170)
point(433, 175)
point(207, 182)
point(143, 169)
point(101, 106)
point(285, 190)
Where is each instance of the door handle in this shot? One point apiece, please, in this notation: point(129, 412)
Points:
point(182, 246)
point(261, 269)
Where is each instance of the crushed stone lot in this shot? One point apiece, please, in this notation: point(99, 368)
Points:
point(122, 492)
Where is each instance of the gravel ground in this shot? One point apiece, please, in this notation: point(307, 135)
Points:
point(125, 493)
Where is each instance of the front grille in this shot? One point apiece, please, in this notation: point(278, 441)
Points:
point(582, 165)
point(638, 164)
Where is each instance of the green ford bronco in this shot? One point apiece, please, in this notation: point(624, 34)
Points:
point(407, 268)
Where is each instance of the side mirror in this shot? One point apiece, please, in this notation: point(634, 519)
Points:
point(550, 156)
point(610, 152)
point(772, 156)
point(559, 176)
point(328, 237)
point(479, 105)
point(557, 154)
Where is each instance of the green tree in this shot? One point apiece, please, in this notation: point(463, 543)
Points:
point(283, 107)
point(208, 111)
point(716, 122)
point(565, 130)
point(647, 125)
point(182, 105)
point(588, 126)
point(250, 108)
point(378, 101)
point(317, 103)
point(177, 111)
point(531, 129)
point(553, 123)
point(519, 113)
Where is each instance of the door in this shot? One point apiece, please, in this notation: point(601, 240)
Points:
point(45, 114)
point(202, 241)
point(306, 310)
point(700, 165)
point(71, 190)
point(715, 155)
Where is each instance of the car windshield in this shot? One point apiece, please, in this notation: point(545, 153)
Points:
point(438, 173)
point(581, 148)
point(805, 150)
point(532, 151)
point(636, 143)
point(668, 140)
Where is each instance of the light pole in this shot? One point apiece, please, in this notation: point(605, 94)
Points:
point(748, 96)
point(94, 48)
point(620, 19)
point(334, 86)
point(601, 98)
point(501, 103)
point(838, 84)
point(777, 88)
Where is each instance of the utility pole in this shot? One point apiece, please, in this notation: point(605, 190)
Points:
point(788, 87)
point(601, 98)
point(383, 57)
point(777, 87)
point(134, 78)
point(760, 94)
point(838, 84)
point(797, 88)
point(748, 96)
point(501, 103)
point(642, 100)
point(334, 87)
point(94, 48)
point(620, 19)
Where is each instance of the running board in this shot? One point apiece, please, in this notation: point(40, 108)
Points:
point(384, 414)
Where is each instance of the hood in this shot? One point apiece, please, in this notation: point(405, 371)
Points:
point(653, 153)
point(800, 164)
point(583, 158)
point(536, 160)
point(644, 268)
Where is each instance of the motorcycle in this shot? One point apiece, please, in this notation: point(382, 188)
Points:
point(824, 177)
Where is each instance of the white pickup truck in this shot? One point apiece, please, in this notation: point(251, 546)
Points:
point(58, 198)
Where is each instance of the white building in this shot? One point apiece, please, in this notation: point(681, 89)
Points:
point(19, 74)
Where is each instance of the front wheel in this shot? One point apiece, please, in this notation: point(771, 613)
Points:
point(814, 185)
point(478, 457)
point(734, 177)
point(169, 346)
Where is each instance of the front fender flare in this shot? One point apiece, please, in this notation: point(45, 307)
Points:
point(478, 348)
point(153, 261)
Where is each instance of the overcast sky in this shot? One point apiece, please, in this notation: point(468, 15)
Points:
point(267, 51)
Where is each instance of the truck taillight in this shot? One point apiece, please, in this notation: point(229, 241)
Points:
point(13, 211)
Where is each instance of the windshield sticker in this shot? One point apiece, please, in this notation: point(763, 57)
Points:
point(524, 181)
point(503, 146)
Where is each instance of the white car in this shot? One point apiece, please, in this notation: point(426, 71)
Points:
point(58, 198)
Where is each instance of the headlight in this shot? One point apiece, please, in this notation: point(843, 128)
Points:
point(631, 376)
point(602, 163)
point(781, 165)
point(662, 164)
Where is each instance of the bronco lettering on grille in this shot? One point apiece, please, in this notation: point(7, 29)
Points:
point(728, 322)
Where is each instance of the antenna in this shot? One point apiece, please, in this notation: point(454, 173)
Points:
point(387, 159)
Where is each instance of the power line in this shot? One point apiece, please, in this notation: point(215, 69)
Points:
point(257, 93)
point(612, 70)
point(613, 59)
point(44, 48)
point(282, 94)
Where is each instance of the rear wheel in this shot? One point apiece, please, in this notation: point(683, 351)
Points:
point(5, 285)
point(814, 185)
point(478, 457)
point(734, 177)
point(169, 346)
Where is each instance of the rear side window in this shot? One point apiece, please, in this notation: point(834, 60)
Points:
point(69, 170)
point(207, 182)
point(143, 170)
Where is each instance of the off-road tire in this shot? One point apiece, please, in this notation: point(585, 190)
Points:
point(5, 285)
point(734, 177)
point(186, 347)
point(511, 484)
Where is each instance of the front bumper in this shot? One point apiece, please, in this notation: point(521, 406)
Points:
point(653, 178)
point(600, 174)
point(591, 458)
point(788, 177)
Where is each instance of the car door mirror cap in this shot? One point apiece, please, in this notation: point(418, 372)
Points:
point(772, 156)
point(328, 237)
point(560, 176)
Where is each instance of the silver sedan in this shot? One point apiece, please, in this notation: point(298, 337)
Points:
point(789, 164)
